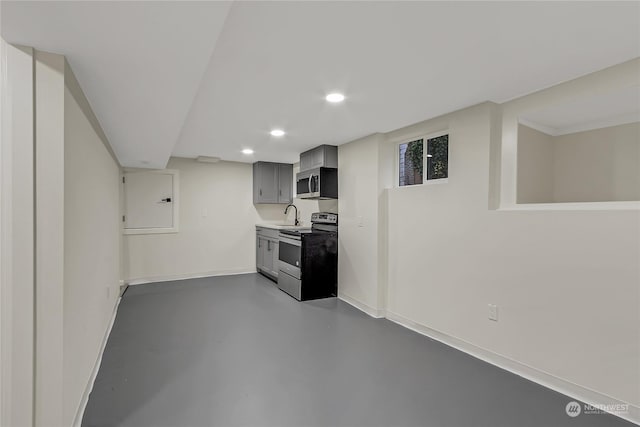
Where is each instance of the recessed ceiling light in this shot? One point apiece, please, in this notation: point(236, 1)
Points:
point(335, 97)
point(277, 132)
point(247, 151)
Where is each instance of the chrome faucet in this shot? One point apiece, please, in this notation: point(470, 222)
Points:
point(296, 222)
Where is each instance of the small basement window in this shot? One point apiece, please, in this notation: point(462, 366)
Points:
point(417, 167)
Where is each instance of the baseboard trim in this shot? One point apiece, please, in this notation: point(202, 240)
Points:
point(77, 420)
point(371, 311)
point(143, 280)
point(535, 375)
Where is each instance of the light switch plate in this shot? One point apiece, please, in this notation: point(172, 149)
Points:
point(493, 312)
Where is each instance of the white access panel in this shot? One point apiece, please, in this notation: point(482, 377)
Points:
point(150, 201)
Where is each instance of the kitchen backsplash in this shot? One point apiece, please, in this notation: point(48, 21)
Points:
point(275, 213)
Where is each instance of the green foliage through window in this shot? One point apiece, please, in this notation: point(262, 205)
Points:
point(411, 163)
point(415, 152)
point(438, 157)
point(412, 160)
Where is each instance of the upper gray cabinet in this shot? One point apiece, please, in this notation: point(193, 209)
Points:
point(285, 183)
point(323, 156)
point(272, 183)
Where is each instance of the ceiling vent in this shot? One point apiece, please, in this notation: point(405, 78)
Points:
point(208, 159)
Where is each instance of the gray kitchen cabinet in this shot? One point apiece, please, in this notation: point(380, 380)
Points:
point(323, 156)
point(261, 243)
point(267, 257)
point(272, 264)
point(265, 182)
point(272, 183)
point(267, 261)
point(285, 183)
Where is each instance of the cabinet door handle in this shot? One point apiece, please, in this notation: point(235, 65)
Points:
point(261, 191)
point(280, 192)
point(259, 243)
point(268, 245)
point(310, 178)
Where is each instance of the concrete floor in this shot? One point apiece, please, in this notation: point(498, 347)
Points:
point(235, 350)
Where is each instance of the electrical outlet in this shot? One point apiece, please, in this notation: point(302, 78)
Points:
point(493, 312)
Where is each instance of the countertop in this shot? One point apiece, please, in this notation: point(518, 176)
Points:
point(282, 226)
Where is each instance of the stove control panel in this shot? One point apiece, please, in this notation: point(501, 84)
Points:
point(324, 218)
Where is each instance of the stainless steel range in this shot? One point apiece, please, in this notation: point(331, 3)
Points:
point(309, 259)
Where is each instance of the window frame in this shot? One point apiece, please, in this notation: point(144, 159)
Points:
point(424, 138)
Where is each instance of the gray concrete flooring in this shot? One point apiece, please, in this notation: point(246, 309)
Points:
point(236, 351)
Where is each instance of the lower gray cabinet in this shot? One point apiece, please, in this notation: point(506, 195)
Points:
point(267, 244)
point(260, 245)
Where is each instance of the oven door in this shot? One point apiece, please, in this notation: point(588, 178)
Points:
point(290, 254)
point(308, 184)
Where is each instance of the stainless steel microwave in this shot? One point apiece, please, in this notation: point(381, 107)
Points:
point(319, 183)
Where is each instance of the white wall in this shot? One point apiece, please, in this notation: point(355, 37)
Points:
point(536, 160)
point(359, 192)
point(49, 214)
point(221, 242)
point(17, 225)
point(63, 210)
point(566, 281)
point(547, 271)
point(598, 165)
point(91, 244)
point(593, 166)
point(621, 77)
point(216, 230)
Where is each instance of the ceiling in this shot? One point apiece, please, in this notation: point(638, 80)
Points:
point(139, 63)
point(613, 108)
point(212, 78)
